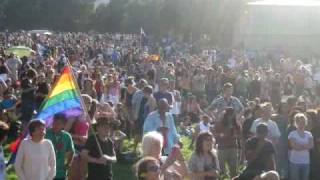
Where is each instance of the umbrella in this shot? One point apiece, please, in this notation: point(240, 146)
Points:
point(45, 32)
point(19, 51)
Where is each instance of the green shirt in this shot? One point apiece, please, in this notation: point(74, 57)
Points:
point(62, 143)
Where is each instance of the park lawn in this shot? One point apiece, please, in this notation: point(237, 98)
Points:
point(121, 170)
point(124, 170)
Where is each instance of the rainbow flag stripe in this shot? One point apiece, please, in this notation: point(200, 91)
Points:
point(63, 98)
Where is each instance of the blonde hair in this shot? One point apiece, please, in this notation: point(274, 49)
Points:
point(148, 140)
point(300, 117)
point(266, 105)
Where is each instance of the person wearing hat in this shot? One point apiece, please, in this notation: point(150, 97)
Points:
point(99, 152)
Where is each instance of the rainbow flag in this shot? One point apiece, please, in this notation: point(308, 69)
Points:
point(63, 98)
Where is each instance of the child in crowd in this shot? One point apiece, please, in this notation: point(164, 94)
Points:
point(186, 126)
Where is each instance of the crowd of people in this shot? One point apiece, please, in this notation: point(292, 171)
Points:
point(247, 115)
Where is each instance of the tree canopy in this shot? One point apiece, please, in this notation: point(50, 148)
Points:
point(187, 18)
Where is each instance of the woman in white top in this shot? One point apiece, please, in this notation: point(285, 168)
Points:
point(301, 141)
point(36, 157)
point(203, 126)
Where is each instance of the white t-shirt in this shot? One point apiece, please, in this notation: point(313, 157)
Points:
point(273, 130)
point(203, 127)
point(300, 157)
point(35, 161)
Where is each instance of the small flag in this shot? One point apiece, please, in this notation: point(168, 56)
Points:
point(144, 38)
point(143, 34)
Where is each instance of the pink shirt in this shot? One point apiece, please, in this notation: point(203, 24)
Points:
point(81, 128)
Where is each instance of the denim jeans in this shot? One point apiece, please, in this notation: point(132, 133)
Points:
point(299, 171)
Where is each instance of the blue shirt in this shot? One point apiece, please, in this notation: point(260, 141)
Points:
point(153, 122)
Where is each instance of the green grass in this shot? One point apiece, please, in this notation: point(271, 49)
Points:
point(123, 170)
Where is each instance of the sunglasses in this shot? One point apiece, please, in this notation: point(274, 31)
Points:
point(154, 168)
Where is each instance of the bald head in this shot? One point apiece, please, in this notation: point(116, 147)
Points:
point(163, 105)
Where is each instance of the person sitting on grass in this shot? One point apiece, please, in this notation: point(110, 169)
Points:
point(99, 152)
point(4, 130)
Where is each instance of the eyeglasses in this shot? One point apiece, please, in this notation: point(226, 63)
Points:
point(154, 168)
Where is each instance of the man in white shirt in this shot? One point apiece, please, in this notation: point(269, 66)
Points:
point(274, 132)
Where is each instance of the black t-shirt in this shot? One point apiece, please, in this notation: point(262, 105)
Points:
point(254, 88)
point(159, 95)
point(29, 95)
point(246, 127)
point(99, 171)
point(260, 163)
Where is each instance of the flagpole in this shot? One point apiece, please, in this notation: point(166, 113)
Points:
point(84, 108)
point(140, 44)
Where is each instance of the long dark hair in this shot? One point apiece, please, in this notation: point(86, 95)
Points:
point(229, 119)
point(199, 145)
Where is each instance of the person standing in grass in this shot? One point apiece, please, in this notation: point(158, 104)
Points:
point(300, 141)
point(36, 159)
point(260, 154)
point(63, 145)
point(100, 165)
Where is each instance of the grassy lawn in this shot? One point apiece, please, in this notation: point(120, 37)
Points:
point(121, 170)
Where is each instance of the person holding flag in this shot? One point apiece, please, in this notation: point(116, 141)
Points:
point(99, 152)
